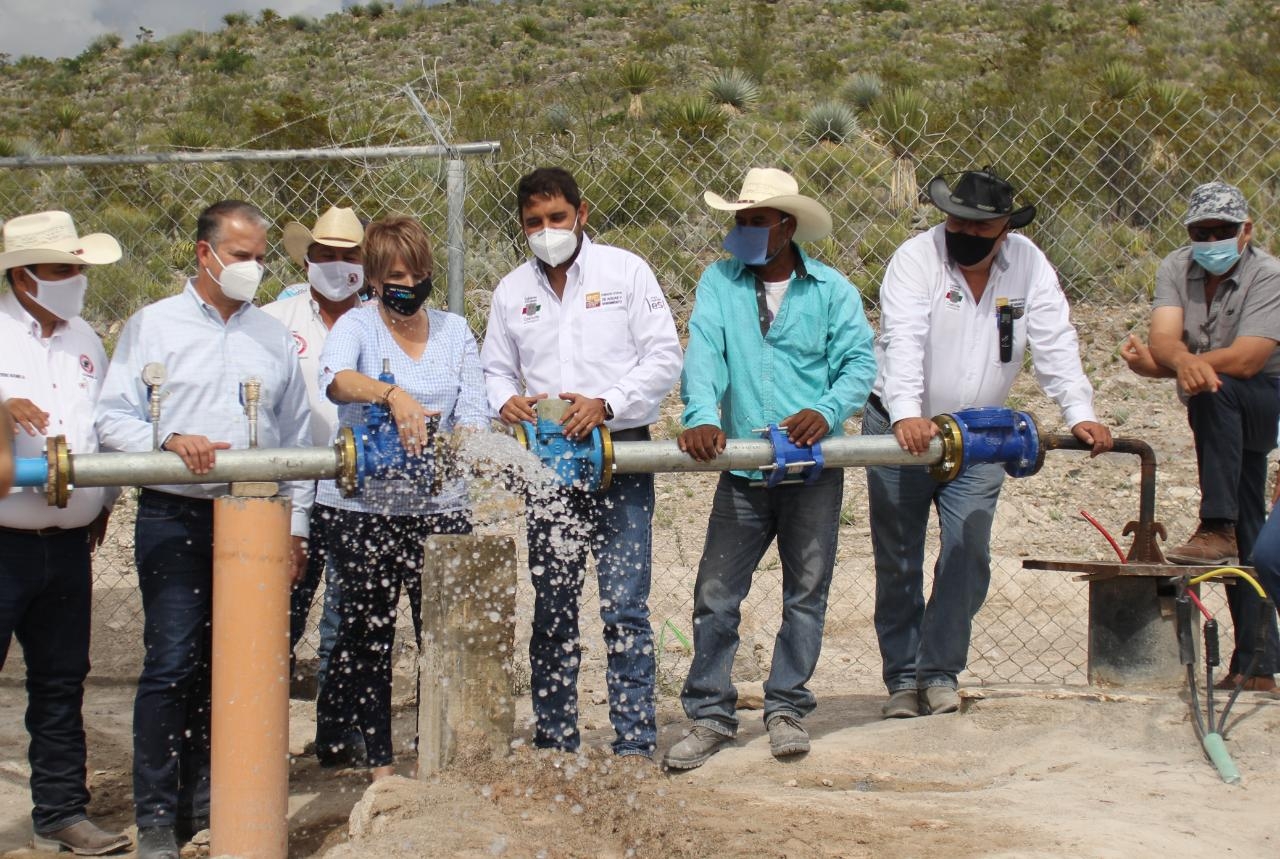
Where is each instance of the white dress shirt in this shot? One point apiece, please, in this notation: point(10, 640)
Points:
point(939, 350)
point(206, 360)
point(301, 315)
point(62, 376)
point(611, 335)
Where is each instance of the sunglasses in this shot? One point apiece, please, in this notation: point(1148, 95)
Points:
point(1213, 234)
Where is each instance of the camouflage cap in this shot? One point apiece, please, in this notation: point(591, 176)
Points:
point(1217, 201)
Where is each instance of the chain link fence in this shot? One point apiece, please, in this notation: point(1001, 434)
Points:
point(1110, 187)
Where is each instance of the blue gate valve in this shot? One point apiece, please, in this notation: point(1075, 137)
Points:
point(988, 435)
point(378, 453)
point(584, 463)
point(791, 462)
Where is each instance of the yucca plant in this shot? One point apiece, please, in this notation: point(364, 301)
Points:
point(862, 90)
point(1134, 16)
point(694, 119)
point(734, 91)
point(636, 78)
point(1119, 80)
point(1167, 97)
point(903, 117)
point(830, 122)
point(558, 119)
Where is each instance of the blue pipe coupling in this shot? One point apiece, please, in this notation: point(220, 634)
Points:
point(988, 435)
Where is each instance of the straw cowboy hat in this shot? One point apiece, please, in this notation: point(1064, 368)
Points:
point(979, 195)
point(338, 228)
point(777, 189)
point(50, 237)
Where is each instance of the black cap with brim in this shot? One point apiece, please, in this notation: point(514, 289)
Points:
point(979, 196)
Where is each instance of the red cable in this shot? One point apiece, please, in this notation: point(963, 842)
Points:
point(1195, 599)
point(1095, 523)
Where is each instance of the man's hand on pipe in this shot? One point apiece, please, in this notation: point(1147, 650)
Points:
point(805, 427)
point(704, 443)
point(914, 434)
point(518, 409)
point(197, 452)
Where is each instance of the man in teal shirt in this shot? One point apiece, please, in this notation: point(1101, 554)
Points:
point(775, 337)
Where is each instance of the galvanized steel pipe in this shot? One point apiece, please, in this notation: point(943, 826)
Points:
point(231, 466)
point(743, 454)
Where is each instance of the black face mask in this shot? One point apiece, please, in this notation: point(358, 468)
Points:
point(969, 250)
point(406, 300)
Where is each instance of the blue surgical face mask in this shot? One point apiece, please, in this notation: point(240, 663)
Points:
point(750, 245)
point(1216, 257)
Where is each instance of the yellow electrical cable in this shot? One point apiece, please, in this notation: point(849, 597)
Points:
point(1230, 571)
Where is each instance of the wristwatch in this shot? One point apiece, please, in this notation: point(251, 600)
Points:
point(608, 409)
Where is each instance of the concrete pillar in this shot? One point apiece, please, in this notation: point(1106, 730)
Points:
point(250, 760)
point(466, 699)
point(1132, 636)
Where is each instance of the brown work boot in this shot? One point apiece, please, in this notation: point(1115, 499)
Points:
point(1208, 546)
point(83, 838)
point(1256, 683)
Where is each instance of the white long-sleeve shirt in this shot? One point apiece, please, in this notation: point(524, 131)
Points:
point(610, 335)
point(62, 376)
point(939, 350)
point(206, 360)
point(301, 315)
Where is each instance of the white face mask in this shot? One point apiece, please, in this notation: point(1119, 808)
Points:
point(554, 246)
point(240, 280)
point(63, 298)
point(336, 281)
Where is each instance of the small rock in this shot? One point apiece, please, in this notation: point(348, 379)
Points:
point(790, 783)
point(751, 696)
point(826, 782)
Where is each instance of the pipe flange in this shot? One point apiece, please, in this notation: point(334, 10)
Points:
point(1040, 443)
point(521, 436)
point(58, 480)
point(606, 458)
point(348, 477)
point(948, 468)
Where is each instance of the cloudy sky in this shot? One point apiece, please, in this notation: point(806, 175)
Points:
point(62, 28)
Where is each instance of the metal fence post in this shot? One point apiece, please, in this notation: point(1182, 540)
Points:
point(456, 196)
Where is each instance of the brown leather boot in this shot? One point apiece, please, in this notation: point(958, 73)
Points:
point(83, 838)
point(1208, 546)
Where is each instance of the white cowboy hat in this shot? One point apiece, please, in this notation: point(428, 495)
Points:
point(51, 237)
point(338, 228)
point(777, 189)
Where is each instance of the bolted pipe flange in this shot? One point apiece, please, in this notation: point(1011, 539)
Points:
point(948, 468)
point(348, 454)
point(59, 481)
point(606, 458)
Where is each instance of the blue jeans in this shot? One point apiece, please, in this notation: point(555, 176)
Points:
point(1234, 429)
point(171, 716)
point(45, 594)
point(921, 644)
point(615, 526)
point(1266, 563)
point(745, 519)
point(373, 555)
point(319, 565)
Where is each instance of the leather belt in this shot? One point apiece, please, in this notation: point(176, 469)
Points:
point(632, 434)
point(51, 531)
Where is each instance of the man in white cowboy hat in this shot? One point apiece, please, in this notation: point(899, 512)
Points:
point(776, 337)
point(586, 323)
point(331, 256)
point(960, 305)
point(1215, 322)
point(211, 338)
point(51, 370)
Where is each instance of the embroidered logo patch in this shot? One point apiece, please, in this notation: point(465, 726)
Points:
point(954, 295)
point(656, 303)
point(530, 310)
point(300, 343)
point(86, 364)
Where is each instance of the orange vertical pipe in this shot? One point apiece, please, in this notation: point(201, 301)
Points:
point(250, 758)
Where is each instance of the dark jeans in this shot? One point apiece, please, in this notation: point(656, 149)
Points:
point(1234, 430)
point(745, 520)
point(171, 716)
point(45, 593)
point(372, 555)
point(617, 527)
point(304, 592)
point(1266, 562)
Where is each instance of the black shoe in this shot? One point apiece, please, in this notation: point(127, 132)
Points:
point(186, 828)
point(157, 842)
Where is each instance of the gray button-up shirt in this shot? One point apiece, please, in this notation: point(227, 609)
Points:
point(1246, 304)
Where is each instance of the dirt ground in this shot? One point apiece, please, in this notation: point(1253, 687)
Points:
point(1036, 764)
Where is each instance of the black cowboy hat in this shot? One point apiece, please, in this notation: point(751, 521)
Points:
point(979, 195)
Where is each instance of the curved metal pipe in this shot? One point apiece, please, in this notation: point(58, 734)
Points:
point(743, 454)
point(1145, 549)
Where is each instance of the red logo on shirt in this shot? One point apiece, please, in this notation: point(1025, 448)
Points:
point(301, 343)
point(86, 364)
